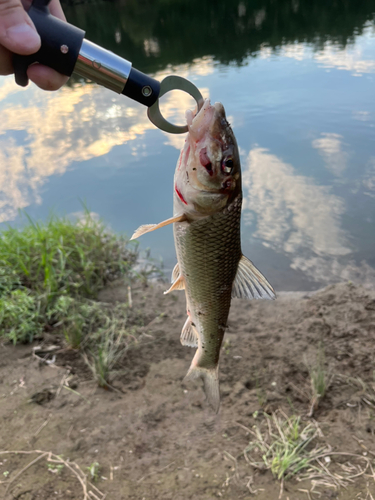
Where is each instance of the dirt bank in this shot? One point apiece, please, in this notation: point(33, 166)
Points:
point(154, 436)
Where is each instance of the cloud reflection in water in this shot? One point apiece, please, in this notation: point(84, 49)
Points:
point(47, 132)
point(294, 216)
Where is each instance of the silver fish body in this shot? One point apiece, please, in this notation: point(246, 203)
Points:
point(210, 265)
point(208, 252)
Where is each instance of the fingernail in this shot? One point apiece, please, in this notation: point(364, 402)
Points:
point(24, 36)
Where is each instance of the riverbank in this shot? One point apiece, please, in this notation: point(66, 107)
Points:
point(153, 436)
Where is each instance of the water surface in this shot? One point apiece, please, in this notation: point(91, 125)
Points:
point(297, 82)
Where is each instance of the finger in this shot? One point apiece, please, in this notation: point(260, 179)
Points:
point(6, 66)
point(17, 31)
point(56, 9)
point(46, 78)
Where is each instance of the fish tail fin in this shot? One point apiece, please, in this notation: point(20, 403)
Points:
point(210, 377)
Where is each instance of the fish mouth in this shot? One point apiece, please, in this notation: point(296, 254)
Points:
point(220, 191)
point(215, 195)
point(206, 190)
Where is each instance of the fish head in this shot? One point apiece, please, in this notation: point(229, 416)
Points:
point(208, 172)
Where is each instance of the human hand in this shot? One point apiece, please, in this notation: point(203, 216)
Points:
point(18, 35)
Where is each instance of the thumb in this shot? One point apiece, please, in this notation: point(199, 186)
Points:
point(17, 31)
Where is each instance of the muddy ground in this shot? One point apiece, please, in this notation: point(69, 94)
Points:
point(154, 436)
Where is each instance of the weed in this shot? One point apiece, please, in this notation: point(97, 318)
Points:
point(80, 319)
point(226, 346)
point(285, 447)
point(19, 316)
point(94, 470)
point(55, 469)
point(289, 448)
point(109, 344)
point(320, 379)
point(48, 270)
point(366, 391)
point(260, 392)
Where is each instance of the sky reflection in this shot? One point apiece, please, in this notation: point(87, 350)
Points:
point(47, 132)
point(305, 129)
point(293, 213)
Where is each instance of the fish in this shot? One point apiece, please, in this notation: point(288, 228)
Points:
point(206, 219)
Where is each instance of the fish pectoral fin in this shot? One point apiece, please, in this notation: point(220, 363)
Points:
point(250, 283)
point(189, 335)
point(146, 228)
point(178, 284)
point(210, 383)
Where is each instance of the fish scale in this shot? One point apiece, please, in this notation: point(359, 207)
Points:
point(208, 251)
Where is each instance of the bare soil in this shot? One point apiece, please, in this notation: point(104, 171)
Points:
point(154, 437)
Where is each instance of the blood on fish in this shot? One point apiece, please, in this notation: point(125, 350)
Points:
point(182, 154)
point(187, 153)
point(179, 163)
point(179, 194)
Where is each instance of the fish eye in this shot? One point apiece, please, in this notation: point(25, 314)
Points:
point(227, 165)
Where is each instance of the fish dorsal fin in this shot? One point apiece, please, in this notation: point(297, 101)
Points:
point(178, 284)
point(147, 228)
point(189, 335)
point(250, 282)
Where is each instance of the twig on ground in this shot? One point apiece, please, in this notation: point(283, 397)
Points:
point(307, 493)
point(281, 488)
point(77, 393)
point(33, 438)
point(72, 466)
point(62, 382)
point(248, 486)
point(154, 472)
point(24, 469)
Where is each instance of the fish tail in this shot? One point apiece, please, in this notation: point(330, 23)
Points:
point(210, 377)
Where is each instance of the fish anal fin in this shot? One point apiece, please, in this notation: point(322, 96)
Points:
point(147, 228)
point(210, 379)
point(178, 284)
point(250, 283)
point(189, 336)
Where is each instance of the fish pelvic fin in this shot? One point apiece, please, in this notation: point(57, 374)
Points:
point(210, 377)
point(178, 282)
point(147, 228)
point(189, 336)
point(250, 283)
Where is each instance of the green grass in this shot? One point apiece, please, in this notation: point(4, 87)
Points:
point(94, 471)
point(109, 343)
point(50, 275)
point(320, 378)
point(50, 272)
point(286, 447)
point(291, 448)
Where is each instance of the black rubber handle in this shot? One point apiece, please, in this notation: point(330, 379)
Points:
point(142, 88)
point(61, 43)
